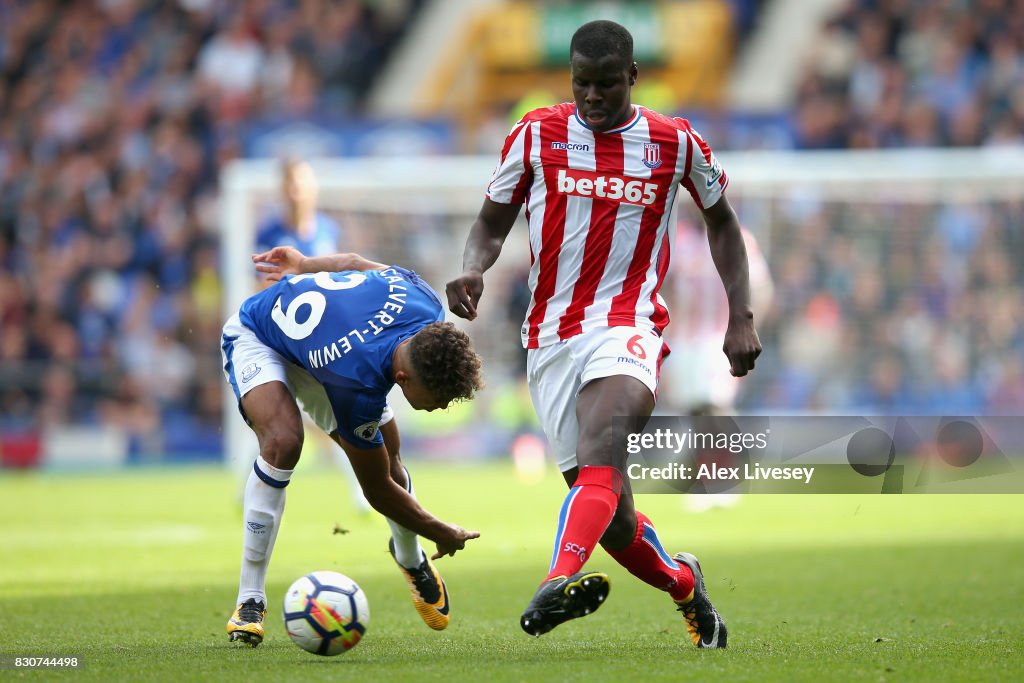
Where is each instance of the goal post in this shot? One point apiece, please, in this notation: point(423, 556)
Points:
point(417, 212)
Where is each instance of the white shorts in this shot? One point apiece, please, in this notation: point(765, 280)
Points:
point(248, 363)
point(556, 374)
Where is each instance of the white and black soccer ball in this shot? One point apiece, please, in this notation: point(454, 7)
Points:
point(326, 613)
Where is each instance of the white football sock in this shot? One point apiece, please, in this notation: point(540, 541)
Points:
point(263, 507)
point(408, 552)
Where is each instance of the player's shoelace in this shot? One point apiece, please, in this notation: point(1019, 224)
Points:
point(699, 616)
point(423, 578)
point(251, 611)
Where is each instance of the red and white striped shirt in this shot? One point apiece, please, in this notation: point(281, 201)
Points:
point(599, 208)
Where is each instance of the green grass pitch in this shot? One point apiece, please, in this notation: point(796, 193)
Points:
point(136, 572)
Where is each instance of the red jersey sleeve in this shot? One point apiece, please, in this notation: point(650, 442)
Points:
point(511, 180)
point(704, 178)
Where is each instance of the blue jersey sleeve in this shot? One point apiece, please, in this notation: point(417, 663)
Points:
point(358, 416)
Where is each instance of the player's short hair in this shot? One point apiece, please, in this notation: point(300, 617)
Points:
point(597, 39)
point(442, 356)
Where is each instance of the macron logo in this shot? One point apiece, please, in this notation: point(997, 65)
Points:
point(616, 188)
point(571, 146)
point(633, 361)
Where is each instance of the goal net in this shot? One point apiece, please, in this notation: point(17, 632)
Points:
point(896, 277)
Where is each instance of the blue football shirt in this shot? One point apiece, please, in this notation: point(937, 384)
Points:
point(276, 233)
point(343, 329)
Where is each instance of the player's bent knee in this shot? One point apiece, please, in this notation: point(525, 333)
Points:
point(281, 448)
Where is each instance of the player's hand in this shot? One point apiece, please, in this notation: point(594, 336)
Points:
point(454, 540)
point(464, 294)
point(278, 262)
point(742, 345)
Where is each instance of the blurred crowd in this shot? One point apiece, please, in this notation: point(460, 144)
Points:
point(918, 316)
point(894, 309)
point(915, 73)
point(115, 116)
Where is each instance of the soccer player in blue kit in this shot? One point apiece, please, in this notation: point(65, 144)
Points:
point(299, 223)
point(334, 334)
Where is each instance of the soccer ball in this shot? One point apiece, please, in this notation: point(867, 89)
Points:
point(326, 613)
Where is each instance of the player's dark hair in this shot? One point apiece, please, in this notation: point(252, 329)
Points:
point(443, 358)
point(597, 39)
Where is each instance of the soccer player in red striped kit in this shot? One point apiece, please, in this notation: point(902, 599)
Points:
point(598, 177)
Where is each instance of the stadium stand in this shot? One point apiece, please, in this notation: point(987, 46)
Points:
point(916, 320)
point(115, 117)
point(931, 299)
point(914, 74)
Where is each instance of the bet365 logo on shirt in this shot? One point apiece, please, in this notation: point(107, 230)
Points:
point(617, 188)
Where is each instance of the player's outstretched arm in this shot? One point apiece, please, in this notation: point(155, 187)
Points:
point(483, 246)
point(725, 238)
point(281, 261)
point(372, 468)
